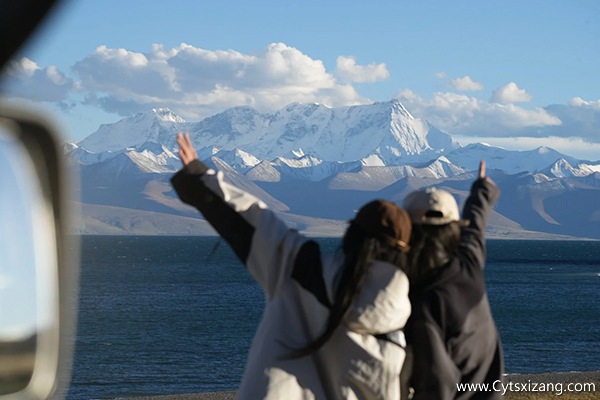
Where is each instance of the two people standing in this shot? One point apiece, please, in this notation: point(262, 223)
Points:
point(333, 327)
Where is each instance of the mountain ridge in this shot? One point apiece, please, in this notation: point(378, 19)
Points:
point(332, 159)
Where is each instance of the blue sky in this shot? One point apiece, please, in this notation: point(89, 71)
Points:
point(516, 74)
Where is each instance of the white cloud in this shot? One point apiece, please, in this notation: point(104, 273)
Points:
point(123, 74)
point(349, 71)
point(580, 118)
point(23, 66)
point(510, 93)
point(408, 95)
point(576, 147)
point(195, 82)
point(440, 75)
point(460, 114)
point(468, 116)
point(579, 102)
point(122, 56)
point(465, 84)
point(26, 80)
point(55, 76)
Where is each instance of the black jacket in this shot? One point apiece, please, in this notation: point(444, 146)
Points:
point(451, 331)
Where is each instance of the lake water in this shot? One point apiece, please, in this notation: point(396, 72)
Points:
point(166, 315)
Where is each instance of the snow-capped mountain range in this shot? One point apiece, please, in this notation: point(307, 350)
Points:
point(340, 156)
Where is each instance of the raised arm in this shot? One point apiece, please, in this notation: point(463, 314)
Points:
point(478, 205)
point(260, 239)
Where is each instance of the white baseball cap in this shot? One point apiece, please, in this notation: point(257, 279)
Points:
point(432, 207)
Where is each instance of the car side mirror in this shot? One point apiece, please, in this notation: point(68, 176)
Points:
point(38, 260)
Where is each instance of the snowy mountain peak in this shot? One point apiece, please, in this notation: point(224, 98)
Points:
point(399, 108)
point(164, 114)
point(563, 169)
point(298, 153)
point(238, 159)
point(443, 168)
point(543, 150)
point(158, 125)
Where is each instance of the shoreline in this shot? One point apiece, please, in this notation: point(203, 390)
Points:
point(575, 377)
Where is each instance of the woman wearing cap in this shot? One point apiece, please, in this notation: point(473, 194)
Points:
point(451, 331)
point(331, 328)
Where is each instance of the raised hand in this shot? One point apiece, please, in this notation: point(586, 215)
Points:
point(482, 174)
point(482, 169)
point(187, 153)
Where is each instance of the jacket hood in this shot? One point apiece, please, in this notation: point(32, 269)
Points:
point(383, 305)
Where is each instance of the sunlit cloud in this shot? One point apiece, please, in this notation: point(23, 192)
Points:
point(570, 127)
point(196, 83)
point(460, 114)
point(348, 70)
point(510, 93)
point(579, 102)
point(465, 84)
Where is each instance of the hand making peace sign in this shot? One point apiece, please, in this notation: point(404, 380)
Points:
point(187, 153)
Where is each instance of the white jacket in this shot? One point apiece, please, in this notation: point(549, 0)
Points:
point(363, 358)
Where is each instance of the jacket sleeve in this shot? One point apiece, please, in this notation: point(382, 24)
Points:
point(261, 240)
point(484, 194)
point(434, 374)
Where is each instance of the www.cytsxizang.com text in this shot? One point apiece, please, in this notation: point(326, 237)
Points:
point(529, 386)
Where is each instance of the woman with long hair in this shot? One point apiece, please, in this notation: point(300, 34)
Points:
point(332, 326)
point(451, 332)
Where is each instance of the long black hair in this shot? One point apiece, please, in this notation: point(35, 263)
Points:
point(431, 247)
point(359, 251)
